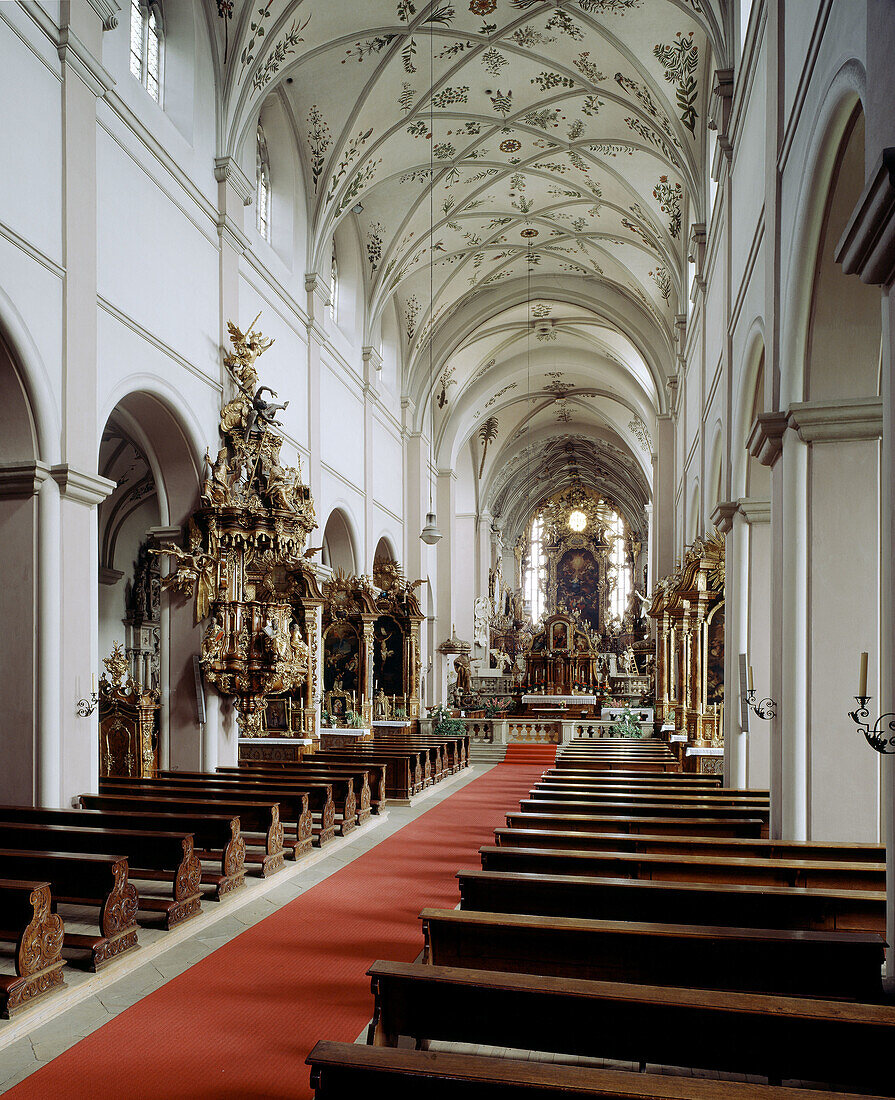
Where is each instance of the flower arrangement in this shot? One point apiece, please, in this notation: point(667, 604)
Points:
point(444, 724)
point(626, 725)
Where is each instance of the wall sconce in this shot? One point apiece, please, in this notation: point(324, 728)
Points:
point(876, 738)
point(766, 709)
point(87, 706)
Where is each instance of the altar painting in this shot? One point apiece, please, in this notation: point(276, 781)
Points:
point(341, 657)
point(578, 585)
point(388, 656)
point(714, 671)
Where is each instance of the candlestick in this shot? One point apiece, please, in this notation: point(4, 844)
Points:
point(862, 675)
point(751, 684)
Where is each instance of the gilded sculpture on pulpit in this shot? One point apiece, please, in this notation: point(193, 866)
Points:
point(246, 563)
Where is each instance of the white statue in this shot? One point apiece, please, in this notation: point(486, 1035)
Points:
point(482, 622)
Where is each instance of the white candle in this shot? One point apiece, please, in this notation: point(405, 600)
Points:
point(751, 684)
point(862, 676)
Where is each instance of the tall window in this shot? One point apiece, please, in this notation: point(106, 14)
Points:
point(147, 46)
point(333, 284)
point(619, 557)
point(536, 570)
point(262, 185)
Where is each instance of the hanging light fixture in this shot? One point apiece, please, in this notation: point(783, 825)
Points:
point(430, 533)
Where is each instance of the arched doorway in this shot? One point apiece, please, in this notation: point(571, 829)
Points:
point(338, 544)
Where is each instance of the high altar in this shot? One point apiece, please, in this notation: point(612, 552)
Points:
point(688, 607)
point(562, 660)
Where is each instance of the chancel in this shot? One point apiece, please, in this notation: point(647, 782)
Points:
point(447, 609)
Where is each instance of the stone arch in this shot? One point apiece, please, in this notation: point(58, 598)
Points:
point(339, 542)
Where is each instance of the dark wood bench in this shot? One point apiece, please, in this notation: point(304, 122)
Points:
point(340, 1070)
point(93, 881)
point(684, 780)
point(678, 902)
point(669, 801)
point(622, 807)
point(27, 920)
point(524, 837)
point(146, 850)
point(369, 776)
point(684, 867)
point(789, 1038)
point(793, 962)
point(635, 825)
point(403, 779)
point(260, 817)
point(217, 837)
point(621, 767)
point(432, 754)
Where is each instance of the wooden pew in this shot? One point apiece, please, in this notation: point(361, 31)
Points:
point(262, 817)
point(597, 793)
point(623, 807)
point(522, 836)
point(789, 1038)
point(217, 837)
point(682, 867)
point(683, 780)
point(371, 776)
point(677, 902)
point(27, 920)
point(844, 965)
point(634, 824)
point(340, 1070)
point(433, 754)
point(94, 881)
point(403, 774)
point(171, 852)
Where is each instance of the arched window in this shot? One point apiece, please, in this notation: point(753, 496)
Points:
point(262, 184)
point(333, 284)
point(147, 46)
point(622, 560)
point(535, 587)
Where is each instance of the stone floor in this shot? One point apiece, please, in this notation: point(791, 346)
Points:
point(34, 1048)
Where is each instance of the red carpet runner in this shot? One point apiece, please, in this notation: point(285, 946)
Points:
point(545, 755)
point(240, 1023)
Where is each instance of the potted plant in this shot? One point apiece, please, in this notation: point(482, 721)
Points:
point(626, 725)
point(444, 724)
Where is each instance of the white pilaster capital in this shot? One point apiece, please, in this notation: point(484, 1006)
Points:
point(227, 170)
point(317, 289)
point(158, 535)
point(842, 421)
point(722, 516)
point(754, 511)
point(108, 11)
point(765, 441)
point(867, 247)
point(372, 356)
point(719, 109)
point(89, 489)
point(19, 480)
point(231, 234)
point(75, 55)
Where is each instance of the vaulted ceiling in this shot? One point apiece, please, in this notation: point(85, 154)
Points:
point(521, 175)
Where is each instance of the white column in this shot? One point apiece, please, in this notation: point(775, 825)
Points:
point(48, 790)
point(211, 735)
point(444, 605)
point(756, 516)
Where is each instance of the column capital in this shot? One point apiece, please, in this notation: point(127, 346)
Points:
point(765, 441)
point(227, 170)
point(108, 11)
point(82, 488)
point(158, 535)
point(719, 109)
point(867, 247)
point(74, 54)
point(19, 480)
point(754, 511)
point(722, 516)
point(842, 421)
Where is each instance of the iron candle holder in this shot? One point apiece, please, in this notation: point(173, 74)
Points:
point(766, 709)
point(87, 706)
point(882, 742)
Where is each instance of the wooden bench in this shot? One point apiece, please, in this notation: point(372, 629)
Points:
point(340, 1070)
point(789, 1038)
point(261, 817)
point(433, 755)
point(678, 902)
point(659, 798)
point(682, 780)
point(635, 825)
point(624, 807)
point(366, 776)
point(684, 867)
point(403, 777)
point(217, 837)
point(27, 920)
point(522, 836)
point(843, 965)
point(94, 881)
point(151, 851)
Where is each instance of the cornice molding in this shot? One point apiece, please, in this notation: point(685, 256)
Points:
point(19, 480)
point(754, 511)
point(372, 355)
point(867, 247)
point(231, 234)
point(837, 421)
point(226, 170)
point(82, 488)
point(722, 515)
point(719, 109)
point(765, 441)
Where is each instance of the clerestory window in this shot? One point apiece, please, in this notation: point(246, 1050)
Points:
point(147, 46)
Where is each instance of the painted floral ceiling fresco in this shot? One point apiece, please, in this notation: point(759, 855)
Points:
point(483, 144)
